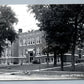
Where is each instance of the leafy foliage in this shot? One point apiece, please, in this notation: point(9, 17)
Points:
point(53, 21)
point(61, 24)
point(7, 19)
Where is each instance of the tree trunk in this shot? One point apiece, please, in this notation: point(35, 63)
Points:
point(0, 50)
point(79, 53)
point(55, 58)
point(73, 58)
point(47, 59)
point(74, 45)
point(62, 62)
point(11, 53)
point(80, 47)
point(0, 56)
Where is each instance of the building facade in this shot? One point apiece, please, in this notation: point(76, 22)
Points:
point(25, 49)
point(29, 47)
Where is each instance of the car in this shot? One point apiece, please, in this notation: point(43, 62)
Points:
point(36, 62)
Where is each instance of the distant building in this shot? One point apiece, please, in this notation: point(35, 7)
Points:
point(28, 47)
point(25, 49)
point(31, 45)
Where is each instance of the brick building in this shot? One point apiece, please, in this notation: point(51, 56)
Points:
point(28, 47)
point(25, 49)
point(31, 45)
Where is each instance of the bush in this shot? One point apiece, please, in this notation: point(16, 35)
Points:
point(15, 62)
point(35, 62)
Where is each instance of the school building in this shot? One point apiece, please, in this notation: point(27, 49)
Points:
point(26, 48)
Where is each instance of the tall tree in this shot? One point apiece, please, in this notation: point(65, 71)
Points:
point(7, 19)
point(75, 15)
point(56, 29)
point(60, 23)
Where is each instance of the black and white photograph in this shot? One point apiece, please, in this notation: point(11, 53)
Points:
point(41, 41)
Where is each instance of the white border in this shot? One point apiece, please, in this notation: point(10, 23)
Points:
point(41, 2)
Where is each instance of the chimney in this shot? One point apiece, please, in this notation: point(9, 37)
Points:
point(20, 31)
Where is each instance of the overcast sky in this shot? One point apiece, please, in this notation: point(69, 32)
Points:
point(26, 20)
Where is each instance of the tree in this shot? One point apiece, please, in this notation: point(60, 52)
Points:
point(56, 29)
point(46, 50)
point(75, 14)
point(39, 11)
point(7, 19)
point(80, 40)
point(60, 23)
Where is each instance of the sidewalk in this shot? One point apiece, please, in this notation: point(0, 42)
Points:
point(41, 74)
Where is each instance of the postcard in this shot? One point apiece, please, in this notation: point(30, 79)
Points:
point(41, 41)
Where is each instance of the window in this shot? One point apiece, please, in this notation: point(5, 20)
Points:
point(37, 40)
point(45, 59)
point(28, 41)
point(24, 42)
point(33, 41)
point(52, 59)
point(38, 51)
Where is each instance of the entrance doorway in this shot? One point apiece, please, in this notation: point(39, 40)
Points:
point(31, 56)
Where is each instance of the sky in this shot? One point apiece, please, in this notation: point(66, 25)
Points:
point(26, 20)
